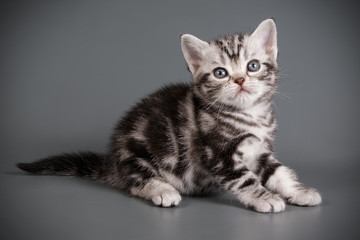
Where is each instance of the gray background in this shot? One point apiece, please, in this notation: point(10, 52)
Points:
point(70, 69)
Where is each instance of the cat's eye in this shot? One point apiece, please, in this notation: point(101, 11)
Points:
point(253, 66)
point(220, 72)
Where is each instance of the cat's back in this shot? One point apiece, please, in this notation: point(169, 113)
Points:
point(153, 113)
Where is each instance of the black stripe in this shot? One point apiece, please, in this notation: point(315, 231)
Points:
point(212, 91)
point(238, 50)
point(230, 175)
point(241, 154)
point(270, 68)
point(203, 79)
point(269, 72)
point(262, 161)
point(266, 97)
point(234, 44)
point(247, 183)
point(238, 119)
point(270, 122)
point(269, 144)
point(266, 168)
point(132, 166)
point(138, 148)
point(261, 193)
point(268, 172)
point(231, 185)
point(224, 107)
point(181, 165)
point(218, 43)
point(225, 125)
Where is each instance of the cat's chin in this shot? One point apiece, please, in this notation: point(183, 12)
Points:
point(243, 95)
point(244, 99)
point(240, 101)
point(242, 92)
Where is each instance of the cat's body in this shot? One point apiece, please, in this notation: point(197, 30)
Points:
point(195, 138)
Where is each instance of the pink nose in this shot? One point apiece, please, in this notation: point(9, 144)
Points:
point(240, 81)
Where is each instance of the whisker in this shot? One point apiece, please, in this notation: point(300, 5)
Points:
point(207, 107)
point(283, 96)
point(277, 110)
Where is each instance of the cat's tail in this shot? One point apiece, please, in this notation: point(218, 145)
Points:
point(83, 164)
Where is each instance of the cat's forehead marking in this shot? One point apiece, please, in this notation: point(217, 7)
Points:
point(230, 45)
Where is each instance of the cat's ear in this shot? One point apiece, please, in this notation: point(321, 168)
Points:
point(194, 50)
point(265, 38)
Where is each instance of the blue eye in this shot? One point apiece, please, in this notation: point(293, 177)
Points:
point(253, 66)
point(220, 72)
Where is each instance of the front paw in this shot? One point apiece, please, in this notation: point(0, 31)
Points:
point(268, 203)
point(304, 197)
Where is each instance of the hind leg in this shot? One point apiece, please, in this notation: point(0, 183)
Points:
point(138, 177)
point(159, 192)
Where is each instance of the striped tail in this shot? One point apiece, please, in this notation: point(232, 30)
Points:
point(83, 164)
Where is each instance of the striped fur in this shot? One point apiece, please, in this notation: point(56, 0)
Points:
point(194, 138)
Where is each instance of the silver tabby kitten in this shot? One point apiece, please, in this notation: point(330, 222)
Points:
point(194, 138)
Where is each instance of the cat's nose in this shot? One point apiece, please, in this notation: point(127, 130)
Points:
point(240, 81)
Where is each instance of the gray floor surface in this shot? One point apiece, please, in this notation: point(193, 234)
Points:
point(70, 69)
point(51, 207)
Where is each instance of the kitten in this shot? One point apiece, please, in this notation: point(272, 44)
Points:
point(194, 138)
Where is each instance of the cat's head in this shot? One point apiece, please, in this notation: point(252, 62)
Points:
point(235, 70)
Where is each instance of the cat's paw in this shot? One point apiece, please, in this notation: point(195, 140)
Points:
point(166, 198)
point(304, 197)
point(268, 203)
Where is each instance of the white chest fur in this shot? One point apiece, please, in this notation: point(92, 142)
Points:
point(248, 151)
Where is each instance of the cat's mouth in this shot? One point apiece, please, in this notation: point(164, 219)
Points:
point(242, 91)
